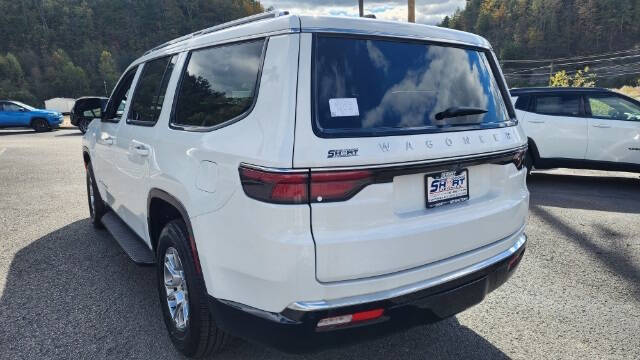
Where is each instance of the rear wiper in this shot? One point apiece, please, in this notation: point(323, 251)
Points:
point(459, 111)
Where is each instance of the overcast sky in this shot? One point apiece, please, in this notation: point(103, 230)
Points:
point(427, 11)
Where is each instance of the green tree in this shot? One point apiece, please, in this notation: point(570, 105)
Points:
point(64, 78)
point(108, 71)
point(12, 81)
point(445, 22)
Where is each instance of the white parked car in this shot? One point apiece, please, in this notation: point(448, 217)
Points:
point(584, 128)
point(300, 178)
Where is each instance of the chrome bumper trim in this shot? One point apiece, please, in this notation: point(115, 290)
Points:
point(408, 289)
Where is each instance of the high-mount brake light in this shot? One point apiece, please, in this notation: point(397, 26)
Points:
point(275, 187)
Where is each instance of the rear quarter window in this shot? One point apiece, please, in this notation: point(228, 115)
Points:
point(374, 87)
point(219, 85)
point(560, 105)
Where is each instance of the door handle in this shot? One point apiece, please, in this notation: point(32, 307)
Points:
point(536, 121)
point(106, 139)
point(602, 126)
point(141, 149)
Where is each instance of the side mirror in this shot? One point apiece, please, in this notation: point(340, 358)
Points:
point(22, 110)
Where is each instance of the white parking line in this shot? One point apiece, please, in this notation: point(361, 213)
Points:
point(2, 150)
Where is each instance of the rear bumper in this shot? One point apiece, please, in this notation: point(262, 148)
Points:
point(294, 329)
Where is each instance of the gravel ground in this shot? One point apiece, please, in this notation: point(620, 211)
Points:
point(68, 291)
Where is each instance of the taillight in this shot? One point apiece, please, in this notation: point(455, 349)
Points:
point(338, 185)
point(275, 187)
point(518, 158)
point(295, 187)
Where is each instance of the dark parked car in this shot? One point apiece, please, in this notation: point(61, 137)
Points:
point(17, 114)
point(86, 109)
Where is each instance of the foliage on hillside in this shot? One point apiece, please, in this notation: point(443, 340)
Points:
point(70, 48)
point(542, 29)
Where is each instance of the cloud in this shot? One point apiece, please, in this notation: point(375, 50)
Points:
point(427, 11)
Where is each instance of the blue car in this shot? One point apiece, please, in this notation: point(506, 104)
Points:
point(17, 114)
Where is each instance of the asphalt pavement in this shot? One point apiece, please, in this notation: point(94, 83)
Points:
point(67, 291)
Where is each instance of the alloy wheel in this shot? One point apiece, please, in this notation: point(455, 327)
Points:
point(175, 285)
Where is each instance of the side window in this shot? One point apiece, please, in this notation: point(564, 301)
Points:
point(118, 100)
point(11, 107)
point(219, 84)
point(150, 91)
point(613, 107)
point(562, 105)
point(522, 103)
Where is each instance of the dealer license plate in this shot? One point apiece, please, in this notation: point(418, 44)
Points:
point(447, 188)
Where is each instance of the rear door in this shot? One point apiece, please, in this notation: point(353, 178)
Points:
point(614, 128)
point(134, 148)
point(558, 125)
point(368, 128)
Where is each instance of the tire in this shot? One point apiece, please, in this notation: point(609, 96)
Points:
point(40, 125)
point(97, 208)
point(83, 125)
point(195, 335)
point(528, 162)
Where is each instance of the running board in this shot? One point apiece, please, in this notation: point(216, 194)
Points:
point(131, 243)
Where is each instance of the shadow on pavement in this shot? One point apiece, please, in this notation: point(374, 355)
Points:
point(73, 293)
point(610, 251)
point(585, 192)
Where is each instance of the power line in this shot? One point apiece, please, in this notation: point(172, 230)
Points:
point(568, 58)
point(591, 70)
point(606, 74)
point(575, 63)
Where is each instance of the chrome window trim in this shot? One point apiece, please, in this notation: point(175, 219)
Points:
point(318, 305)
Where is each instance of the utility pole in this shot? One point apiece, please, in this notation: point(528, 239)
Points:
point(105, 88)
point(412, 10)
point(361, 7)
point(550, 72)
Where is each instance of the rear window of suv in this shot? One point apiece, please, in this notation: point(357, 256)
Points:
point(373, 87)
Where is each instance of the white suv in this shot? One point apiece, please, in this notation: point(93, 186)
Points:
point(298, 178)
point(586, 128)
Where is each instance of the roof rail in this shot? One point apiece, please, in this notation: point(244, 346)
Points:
point(245, 20)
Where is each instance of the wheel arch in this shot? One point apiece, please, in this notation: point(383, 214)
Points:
point(534, 150)
point(163, 207)
point(85, 156)
point(34, 118)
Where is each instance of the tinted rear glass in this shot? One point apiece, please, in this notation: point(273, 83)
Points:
point(522, 103)
point(367, 87)
point(558, 105)
point(219, 84)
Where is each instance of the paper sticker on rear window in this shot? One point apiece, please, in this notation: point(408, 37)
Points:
point(344, 107)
